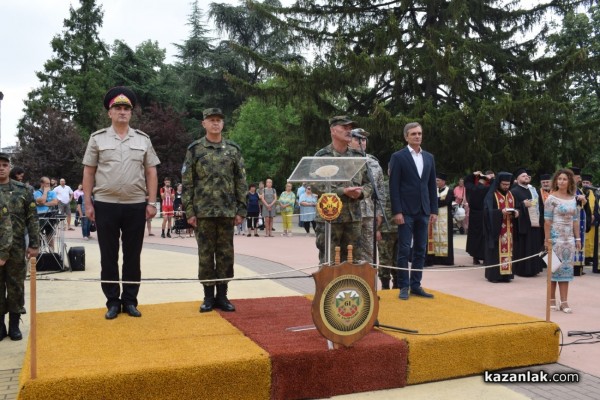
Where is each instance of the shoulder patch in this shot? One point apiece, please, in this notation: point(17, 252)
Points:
point(322, 152)
point(142, 133)
point(234, 144)
point(98, 132)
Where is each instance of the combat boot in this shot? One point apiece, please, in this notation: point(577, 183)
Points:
point(3, 332)
point(222, 300)
point(385, 283)
point(13, 326)
point(209, 299)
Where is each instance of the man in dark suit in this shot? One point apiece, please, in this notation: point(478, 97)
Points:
point(413, 195)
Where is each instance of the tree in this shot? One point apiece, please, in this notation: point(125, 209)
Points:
point(50, 145)
point(463, 69)
point(268, 137)
point(73, 80)
point(169, 138)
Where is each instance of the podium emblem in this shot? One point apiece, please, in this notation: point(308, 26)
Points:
point(329, 206)
point(345, 306)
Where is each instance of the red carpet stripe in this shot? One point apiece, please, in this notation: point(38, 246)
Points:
point(302, 367)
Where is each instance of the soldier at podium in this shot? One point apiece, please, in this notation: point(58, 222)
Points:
point(345, 229)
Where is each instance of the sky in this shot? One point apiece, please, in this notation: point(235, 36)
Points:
point(28, 26)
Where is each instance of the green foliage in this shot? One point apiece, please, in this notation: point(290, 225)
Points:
point(269, 139)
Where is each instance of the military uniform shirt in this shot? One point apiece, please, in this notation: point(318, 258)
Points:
point(23, 213)
point(121, 165)
point(351, 207)
point(6, 233)
point(214, 180)
point(368, 208)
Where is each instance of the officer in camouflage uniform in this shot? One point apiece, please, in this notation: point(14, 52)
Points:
point(214, 197)
point(345, 229)
point(23, 217)
point(387, 241)
point(368, 208)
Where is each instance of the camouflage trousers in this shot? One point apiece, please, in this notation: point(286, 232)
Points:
point(388, 248)
point(342, 235)
point(12, 282)
point(215, 248)
point(366, 240)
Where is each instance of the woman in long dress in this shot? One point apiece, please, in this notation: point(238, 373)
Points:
point(561, 228)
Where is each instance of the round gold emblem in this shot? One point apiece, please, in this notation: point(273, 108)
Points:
point(329, 206)
point(346, 304)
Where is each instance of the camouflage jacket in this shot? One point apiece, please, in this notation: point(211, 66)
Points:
point(351, 207)
point(214, 180)
point(6, 233)
point(23, 213)
point(391, 227)
point(367, 205)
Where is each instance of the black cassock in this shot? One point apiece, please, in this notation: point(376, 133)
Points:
point(476, 192)
point(527, 240)
point(493, 218)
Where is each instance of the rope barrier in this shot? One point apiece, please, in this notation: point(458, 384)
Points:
point(270, 275)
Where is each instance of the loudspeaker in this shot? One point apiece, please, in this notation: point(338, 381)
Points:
point(77, 258)
point(49, 262)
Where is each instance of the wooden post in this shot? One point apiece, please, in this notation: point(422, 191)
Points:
point(350, 256)
point(337, 258)
point(32, 316)
point(549, 281)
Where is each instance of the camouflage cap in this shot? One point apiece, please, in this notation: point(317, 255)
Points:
point(359, 133)
point(209, 112)
point(4, 156)
point(340, 120)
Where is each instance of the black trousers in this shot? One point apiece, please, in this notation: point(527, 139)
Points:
point(127, 222)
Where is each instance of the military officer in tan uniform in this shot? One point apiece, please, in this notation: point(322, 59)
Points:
point(214, 197)
point(119, 167)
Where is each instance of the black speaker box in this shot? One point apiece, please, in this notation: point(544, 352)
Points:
point(77, 258)
point(49, 262)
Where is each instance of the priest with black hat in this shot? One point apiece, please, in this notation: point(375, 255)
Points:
point(529, 228)
point(119, 171)
point(498, 226)
point(440, 246)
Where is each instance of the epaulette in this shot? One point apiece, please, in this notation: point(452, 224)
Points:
point(98, 132)
point(234, 144)
point(142, 133)
point(194, 143)
point(371, 156)
point(323, 151)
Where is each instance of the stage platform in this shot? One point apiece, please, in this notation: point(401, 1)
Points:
point(174, 352)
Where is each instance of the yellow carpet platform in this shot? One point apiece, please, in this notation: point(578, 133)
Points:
point(174, 352)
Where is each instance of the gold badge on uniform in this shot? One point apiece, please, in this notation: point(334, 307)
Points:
point(329, 206)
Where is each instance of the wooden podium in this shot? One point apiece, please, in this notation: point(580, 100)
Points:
point(345, 305)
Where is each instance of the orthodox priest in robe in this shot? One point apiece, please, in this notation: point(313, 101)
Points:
point(529, 228)
point(477, 185)
point(440, 246)
point(585, 220)
point(592, 235)
point(499, 219)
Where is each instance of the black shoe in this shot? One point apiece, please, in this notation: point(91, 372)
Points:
point(403, 294)
point(3, 332)
point(112, 312)
point(162, 235)
point(13, 326)
point(131, 310)
point(209, 299)
point(476, 261)
point(168, 234)
point(222, 302)
point(385, 283)
point(420, 292)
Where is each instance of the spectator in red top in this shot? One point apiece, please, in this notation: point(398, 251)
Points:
point(167, 195)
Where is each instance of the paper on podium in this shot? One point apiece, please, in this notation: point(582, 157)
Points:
point(327, 169)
